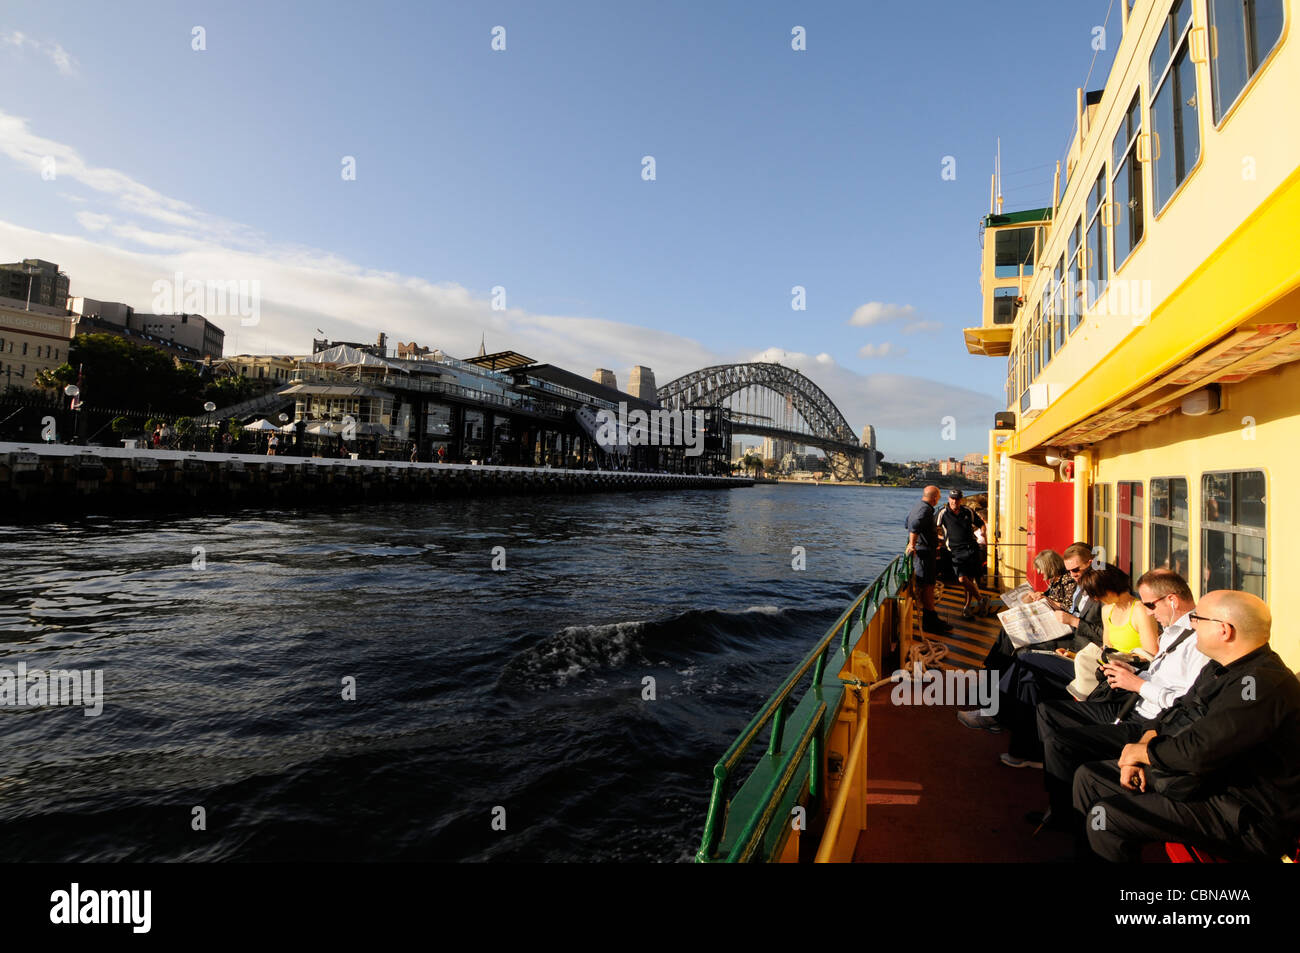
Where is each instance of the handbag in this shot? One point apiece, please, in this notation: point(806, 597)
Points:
point(1086, 662)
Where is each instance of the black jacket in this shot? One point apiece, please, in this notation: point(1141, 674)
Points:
point(1234, 739)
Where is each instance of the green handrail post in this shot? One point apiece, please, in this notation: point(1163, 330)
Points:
point(778, 728)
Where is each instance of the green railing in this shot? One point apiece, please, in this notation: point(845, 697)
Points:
point(739, 826)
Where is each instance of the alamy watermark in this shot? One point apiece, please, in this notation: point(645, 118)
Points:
point(948, 687)
point(73, 688)
point(655, 428)
point(240, 298)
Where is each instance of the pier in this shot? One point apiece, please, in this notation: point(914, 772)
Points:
point(39, 479)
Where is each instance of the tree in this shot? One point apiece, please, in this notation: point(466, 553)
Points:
point(120, 374)
point(56, 379)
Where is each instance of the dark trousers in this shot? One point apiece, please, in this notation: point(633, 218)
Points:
point(1074, 733)
point(1032, 679)
point(1119, 821)
point(1004, 651)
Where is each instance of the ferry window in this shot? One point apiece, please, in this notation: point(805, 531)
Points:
point(1012, 248)
point(1049, 321)
point(1128, 539)
point(1038, 342)
point(1058, 301)
point(1245, 33)
point(1004, 305)
point(1098, 267)
point(1075, 296)
point(1126, 187)
point(1233, 532)
point(1174, 122)
point(1101, 517)
point(1169, 525)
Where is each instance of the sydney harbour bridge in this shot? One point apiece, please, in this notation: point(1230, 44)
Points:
point(772, 400)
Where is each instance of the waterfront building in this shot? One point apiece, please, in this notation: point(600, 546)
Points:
point(34, 281)
point(31, 340)
point(188, 336)
point(276, 369)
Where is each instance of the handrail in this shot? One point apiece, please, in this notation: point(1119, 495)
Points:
point(891, 579)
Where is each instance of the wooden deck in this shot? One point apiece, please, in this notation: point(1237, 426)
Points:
point(936, 791)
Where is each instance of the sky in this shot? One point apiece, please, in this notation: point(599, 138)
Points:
point(504, 195)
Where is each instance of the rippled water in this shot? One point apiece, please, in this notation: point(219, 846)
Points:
point(475, 689)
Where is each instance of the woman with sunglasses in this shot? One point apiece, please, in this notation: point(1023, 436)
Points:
point(1127, 627)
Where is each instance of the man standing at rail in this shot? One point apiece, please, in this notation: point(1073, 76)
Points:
point(923, 547)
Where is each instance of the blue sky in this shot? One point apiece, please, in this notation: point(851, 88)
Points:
point(522, 169)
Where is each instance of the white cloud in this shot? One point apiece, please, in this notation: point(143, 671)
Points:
point(885, 349)
point(916, 327)
point(93, 221)
point(64, 61)
point(305, 288)
point(878, 312)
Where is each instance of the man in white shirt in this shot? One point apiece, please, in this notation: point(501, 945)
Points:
point(1074, 733)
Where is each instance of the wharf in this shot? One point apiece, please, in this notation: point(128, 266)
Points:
point(35, 478)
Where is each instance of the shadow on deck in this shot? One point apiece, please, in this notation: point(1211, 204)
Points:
point(936, 791)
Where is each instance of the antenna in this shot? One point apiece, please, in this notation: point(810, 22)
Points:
point(998, 174)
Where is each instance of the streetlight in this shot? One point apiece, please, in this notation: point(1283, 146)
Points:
point(73, 391)
point(209, 406)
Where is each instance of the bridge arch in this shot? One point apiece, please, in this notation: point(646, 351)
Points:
point(818, 423)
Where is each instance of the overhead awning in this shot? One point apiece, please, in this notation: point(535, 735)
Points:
point(333, 390)
point(344, 355)
point(500, 361)
point(990, 342)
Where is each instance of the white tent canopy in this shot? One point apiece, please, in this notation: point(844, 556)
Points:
point(262, 424)
point(344, 355)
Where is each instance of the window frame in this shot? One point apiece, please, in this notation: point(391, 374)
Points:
point(1129, 159)
point(1167, 524)
point(1100, 519)
point(1231, 528)
point(1135, 562)
point(1253, 77)
point(1153, 92)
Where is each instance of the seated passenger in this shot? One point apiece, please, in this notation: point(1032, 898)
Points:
point(1220, 768)
point(1074, 733)
point(1044, 672)
point(1071, 604)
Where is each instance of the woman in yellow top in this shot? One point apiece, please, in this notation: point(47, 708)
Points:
point(1127, 625)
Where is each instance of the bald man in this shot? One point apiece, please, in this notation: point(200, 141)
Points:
point(923, 547)
point(1219, 769)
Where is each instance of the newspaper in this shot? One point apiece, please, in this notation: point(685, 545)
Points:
point(1032, 623)
point(1016, 596)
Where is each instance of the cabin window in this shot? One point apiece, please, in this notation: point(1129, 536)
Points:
point(1245, 33)
point(1004, 305)
point(1101, 520)
point(1126, 187)
point(1049, 322)
point(1128, 538)
point(1169, 525)
point(1036, 331)
point(1098, 266)
point(1073, 299)
point(1233, 532)
point(1012, 248)
point(1011, 377)
point(1174, 120)
point(1058, 301)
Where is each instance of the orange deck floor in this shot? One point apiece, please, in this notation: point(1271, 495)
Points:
point(936, 791)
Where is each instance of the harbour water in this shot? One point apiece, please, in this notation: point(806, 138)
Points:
point(481, 694)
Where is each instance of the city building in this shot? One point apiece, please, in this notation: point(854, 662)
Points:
point(277, 369)
point(605, 378)
point(34, 281)
point(188, 336)
point(31, 340)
